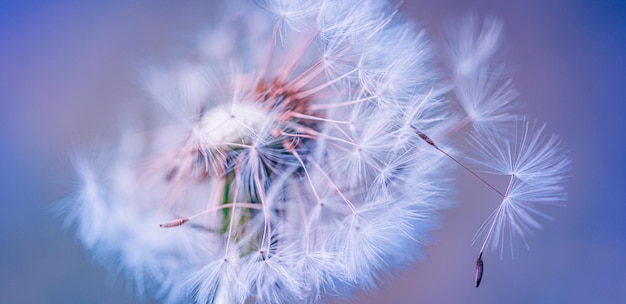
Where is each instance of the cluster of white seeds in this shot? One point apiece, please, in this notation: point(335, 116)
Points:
point(305, 147)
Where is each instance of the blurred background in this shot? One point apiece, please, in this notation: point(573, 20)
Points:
point(65, 66)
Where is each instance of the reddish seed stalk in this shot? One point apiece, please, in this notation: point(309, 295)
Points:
point(181, 221)
point(432, 143)
point(292, 65)
point(270, 54)
point(311, 91)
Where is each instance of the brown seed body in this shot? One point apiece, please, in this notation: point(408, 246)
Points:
point(479, 269)
point(174, 223)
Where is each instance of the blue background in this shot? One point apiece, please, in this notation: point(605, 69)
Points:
point(65, 66)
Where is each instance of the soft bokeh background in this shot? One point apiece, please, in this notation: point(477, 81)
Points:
point(64, 66)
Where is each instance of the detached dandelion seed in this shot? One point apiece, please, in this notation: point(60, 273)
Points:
point(479, 270)
point(302, 148)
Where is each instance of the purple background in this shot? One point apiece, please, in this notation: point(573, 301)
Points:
point(64, 66)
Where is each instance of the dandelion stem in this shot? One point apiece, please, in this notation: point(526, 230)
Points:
point(235, 185)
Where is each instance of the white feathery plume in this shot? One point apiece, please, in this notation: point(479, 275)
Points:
point(536, 167)
point(485, 97)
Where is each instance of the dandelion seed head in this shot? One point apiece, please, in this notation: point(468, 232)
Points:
point(301, 148)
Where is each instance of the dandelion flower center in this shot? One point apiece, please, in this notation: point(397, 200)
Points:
point(236, 125)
